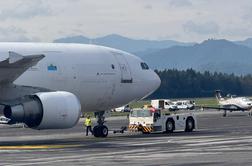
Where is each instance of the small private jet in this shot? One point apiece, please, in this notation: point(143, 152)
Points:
point(232, 103)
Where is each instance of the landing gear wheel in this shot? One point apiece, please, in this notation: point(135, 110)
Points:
point(170, 126)
point(100, 131)
point(96, 131)
point(250, 113)
point(189, 125)
point(104, 131)
point(225, 113)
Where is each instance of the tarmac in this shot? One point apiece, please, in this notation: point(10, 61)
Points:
point(217, 141)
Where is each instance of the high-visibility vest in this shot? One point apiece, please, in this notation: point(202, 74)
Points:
point(88, 122)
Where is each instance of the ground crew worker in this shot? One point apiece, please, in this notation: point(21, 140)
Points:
point(88, 124)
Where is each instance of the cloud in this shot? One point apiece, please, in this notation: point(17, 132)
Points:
point(26, 10)
point(180, 3)
point(148, 6)
point(247, 15)
point(14, 34)
point(190, 20)
point(205, 28)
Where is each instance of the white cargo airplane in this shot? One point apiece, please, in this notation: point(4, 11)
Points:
point(46, 86)
point(232, 103)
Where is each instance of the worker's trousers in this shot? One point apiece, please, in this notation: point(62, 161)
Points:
point(88, 128)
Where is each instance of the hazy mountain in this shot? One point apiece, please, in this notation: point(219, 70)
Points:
point(73, 39)
point(123, 43)
point(247, 42)
point(212, 55)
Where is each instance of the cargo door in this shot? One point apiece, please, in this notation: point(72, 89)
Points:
point(126, 76)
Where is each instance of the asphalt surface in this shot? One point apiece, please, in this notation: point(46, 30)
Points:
point(218, 141)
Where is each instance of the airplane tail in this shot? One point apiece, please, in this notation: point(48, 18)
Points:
point(218, 95)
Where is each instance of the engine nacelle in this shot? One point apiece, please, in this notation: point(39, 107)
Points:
point(47, 110)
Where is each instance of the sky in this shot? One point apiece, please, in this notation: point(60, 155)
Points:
point(181, 20)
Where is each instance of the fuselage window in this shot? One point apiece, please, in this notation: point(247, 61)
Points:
point(144, 66)
point(113, 66)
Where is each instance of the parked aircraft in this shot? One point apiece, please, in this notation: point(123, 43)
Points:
point(46, 85)
point(232, 103)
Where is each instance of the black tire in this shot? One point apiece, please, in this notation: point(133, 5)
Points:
point(96, 131)
point(100, 131)
point(104, 131)
point(170, 126)
point(172, 109)
point(191, 108)
point(224, 114)
point(189, 124)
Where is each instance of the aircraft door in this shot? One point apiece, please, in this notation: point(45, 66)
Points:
point(124, 68)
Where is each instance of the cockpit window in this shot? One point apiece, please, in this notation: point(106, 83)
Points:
point(144, 66)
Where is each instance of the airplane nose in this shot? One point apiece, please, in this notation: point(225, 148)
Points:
point(150, 84)
point(156, 81)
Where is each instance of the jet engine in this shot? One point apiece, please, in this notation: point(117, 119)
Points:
point(46, 110)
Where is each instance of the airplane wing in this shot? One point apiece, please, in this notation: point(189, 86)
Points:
point(15, 65)
point(222, 108)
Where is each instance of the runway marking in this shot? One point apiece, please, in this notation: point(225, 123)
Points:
point(233, 146)
point(82, 157)
point(218, 142)
point(144, 154)
point(103, 157)
point(31, 147)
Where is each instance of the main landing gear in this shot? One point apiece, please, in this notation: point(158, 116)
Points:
point(250, 112)
point(100, 130)
point(224, 113)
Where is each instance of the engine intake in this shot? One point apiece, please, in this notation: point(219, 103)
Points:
point(46, 110)
point(30, 112)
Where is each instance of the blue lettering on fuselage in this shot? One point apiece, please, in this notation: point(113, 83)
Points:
point(51, 67)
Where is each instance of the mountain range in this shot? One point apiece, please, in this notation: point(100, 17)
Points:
point(123, 43)
point(210, 55)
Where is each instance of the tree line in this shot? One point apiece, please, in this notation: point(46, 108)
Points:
point(191, 84)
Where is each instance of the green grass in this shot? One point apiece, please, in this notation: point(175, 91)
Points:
point(140, 103)
point(206, 102)
point(119, 113)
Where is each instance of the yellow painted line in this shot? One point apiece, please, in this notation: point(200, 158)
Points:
point(28, 147)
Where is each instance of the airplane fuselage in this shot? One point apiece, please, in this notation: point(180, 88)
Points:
point(241, 103)
point(102, 78)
